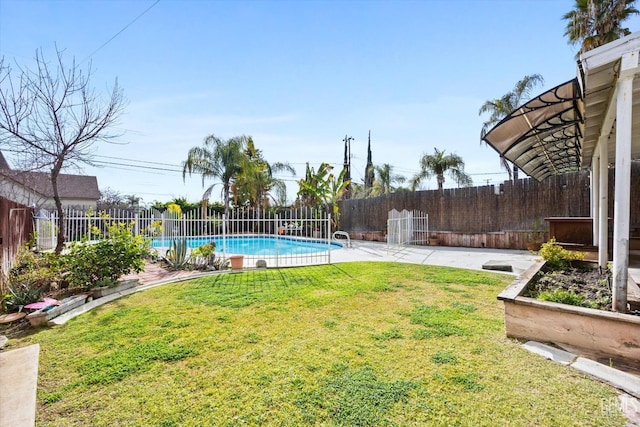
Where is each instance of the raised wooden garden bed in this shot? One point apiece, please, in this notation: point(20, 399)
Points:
point(616, 334)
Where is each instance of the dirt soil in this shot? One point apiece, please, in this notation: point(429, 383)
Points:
point(592, 284)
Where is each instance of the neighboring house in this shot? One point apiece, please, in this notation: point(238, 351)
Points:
point(34, 188)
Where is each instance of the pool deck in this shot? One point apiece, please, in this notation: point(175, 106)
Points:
point(469, 258)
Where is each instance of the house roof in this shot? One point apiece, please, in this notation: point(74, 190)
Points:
point(69, 186)
point(3, 163)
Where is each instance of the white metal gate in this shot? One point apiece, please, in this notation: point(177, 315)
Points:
point(407, 228)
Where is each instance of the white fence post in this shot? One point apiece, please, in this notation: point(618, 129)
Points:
point(277, 233)
point(224, 235)
point(328, 228)
point(163, 227)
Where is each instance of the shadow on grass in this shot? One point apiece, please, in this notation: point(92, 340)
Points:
point(238, 290)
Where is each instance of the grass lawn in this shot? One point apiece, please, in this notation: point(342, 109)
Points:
point(347, 344)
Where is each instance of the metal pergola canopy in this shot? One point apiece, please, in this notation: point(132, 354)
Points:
point(542, 137)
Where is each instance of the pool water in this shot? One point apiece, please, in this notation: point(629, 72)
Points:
point(257, 245)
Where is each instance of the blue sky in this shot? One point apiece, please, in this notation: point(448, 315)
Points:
point(297, 76)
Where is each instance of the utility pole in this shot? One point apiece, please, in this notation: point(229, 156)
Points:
point(347, 165)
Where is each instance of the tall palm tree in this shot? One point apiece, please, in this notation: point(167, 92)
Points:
point(500, 108)
point(384, 180)
point(256, 182)
point(217, 158)
point(593, 23)
point(439, 164)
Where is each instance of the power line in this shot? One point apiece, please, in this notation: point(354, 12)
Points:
point(139, 161)
point(119, 32)
point(151, 169)
point(147, 167)
point(489, 173)
point(137, 166)
point(136, 170)
point(143, 168)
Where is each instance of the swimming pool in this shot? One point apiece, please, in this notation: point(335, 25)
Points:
point(257, 245)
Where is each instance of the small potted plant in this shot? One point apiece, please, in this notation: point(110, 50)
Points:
point(535, 238)
point(433, 240)
point(204, 257)
point(236, 262)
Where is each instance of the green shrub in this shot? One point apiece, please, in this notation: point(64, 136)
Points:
point(565, 297)
point(204, 255)
point(119, 252)
point(176, 257)
point(5, 302)
point(29, 278)
point(556, 256)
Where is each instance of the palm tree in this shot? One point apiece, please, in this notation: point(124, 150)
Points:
point(133, 200)
point(438, 164)
point(359, 190)
point(384, 180)
point(337, 189)
point(500, 108)
point(593, 23)
point(255, 183)
point(323, 189)
point(217, 158)
point(314, 187)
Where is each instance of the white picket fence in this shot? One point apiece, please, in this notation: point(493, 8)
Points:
point(291, 238)
point(407, 228)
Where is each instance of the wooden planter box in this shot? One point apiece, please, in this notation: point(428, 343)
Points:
point(123, 285)
point(615, 334)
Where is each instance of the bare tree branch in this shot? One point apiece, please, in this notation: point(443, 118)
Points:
point(53, 117)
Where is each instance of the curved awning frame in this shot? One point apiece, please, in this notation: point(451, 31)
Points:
point(542, 137)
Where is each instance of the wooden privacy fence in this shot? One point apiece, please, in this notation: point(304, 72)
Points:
point(16, 227)
point(490, 216)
